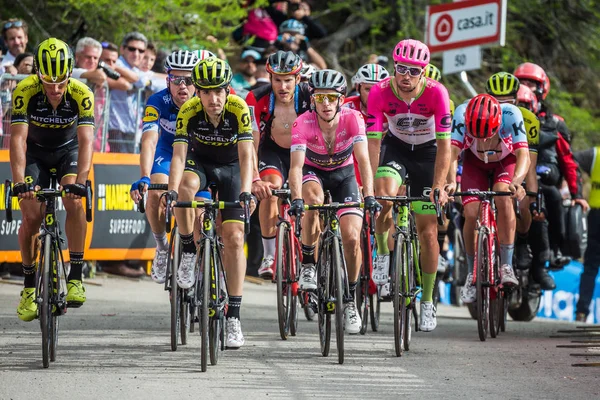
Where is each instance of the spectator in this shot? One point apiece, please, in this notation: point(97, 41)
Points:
point(24, 63)
point(14, 33)
point(262, 76)
point(299, 10)
point(245, 79)
point(158, 79)
point(291, 38)
point(124, 107)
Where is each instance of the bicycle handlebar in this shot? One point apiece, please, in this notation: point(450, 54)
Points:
point(439, 213)
point(327, 207)
point(153, 186)
point(481, 193)
point(220, 205)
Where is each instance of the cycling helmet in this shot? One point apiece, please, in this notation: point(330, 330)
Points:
point(202, 54)
point(211, 73)
point(181, 60)
point(433, 72)
point(284, 63)
point(292, 26)
point(483, 116)
point(53, 60)
point(370, 73)
point(502, 84)
point(535, 73)
point(411, 51)
point(328, 79)
point(307, 70)
point(526, 98)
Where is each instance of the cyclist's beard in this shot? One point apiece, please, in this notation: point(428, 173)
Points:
point(337, 110)
point(409, 90)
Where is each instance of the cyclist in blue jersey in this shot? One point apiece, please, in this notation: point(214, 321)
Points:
point(157, 148)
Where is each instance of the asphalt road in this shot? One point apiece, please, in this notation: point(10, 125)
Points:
point(118, 346)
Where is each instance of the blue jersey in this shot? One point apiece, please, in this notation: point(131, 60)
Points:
point(160, 116)
point(512, 135)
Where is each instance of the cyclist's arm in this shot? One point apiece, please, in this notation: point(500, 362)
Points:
point(361, 152)
point(295, 175)
point(442, 163)
point(375, 120)
point(149, 138)
point(18, 149)
point(568, 166)
point(177, 165)
point(451, 176)
point(247, 158)
point(521, 166)
point(85, 138)
point(531, 179)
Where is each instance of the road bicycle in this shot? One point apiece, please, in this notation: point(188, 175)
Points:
point(51, 275)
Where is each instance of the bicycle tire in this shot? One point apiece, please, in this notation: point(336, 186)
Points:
point(502, 311)
point(338, 272)
point(46, 307)
point(482, 290)
point(204, 310)
point(362, 289)
point(175, 299)
point(184, 317)
point(494, 309)
point(58, 277)
point(323, 287)
point(398, 290)
point(374, 312)
point(410, 309)
point(218, 296)
point(284, 288)
point(309, 312)
point(294, 280)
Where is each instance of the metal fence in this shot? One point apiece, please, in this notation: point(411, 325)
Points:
point(106, 140)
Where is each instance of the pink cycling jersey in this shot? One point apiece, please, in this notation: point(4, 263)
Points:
point(426, 118)
point(307, 137)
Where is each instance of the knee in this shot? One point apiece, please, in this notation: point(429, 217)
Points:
point(470, 212)
point(153, 198)
point(72, 205)
point(188, 187)
point(351, 241)
point(233, 235)
point(504, 205)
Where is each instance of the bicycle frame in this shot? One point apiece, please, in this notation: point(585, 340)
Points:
point(284, 218)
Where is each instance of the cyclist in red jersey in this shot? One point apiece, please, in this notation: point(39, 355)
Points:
point(274, 108)
point(364, 79)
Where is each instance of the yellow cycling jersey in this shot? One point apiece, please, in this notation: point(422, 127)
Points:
point(532, 127)
point(50, 128)
point(210, 143)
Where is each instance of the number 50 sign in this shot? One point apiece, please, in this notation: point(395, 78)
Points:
point(465, 59)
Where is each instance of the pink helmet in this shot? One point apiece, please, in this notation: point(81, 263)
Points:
point(411, 51)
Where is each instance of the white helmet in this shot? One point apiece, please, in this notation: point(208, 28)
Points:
point(307, 71)
point(370, 73)
point(181, 60)
point(202, 54)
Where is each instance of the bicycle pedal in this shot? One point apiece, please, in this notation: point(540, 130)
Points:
point(74, 304)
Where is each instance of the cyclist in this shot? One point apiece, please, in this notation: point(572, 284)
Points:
point(364, 79)
point(496, 144)
point(157, 148)
point(323, 142)
point(213, 143)
point(418, 143)
point(52, 130)
point(505, 88)
point(306, 72)
point(555, 163)
point(274, 108)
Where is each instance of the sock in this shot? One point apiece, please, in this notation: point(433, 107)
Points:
point(268, 246)
point(233, 310)
point(428, 283)
point(76, 265)
point(382, 243)
point(470, 263)
point(187, 243)
point(441, 239)
point(506, 254)
point(308, 254)
point(352, 287)
point(29, 272)
point(161, 241)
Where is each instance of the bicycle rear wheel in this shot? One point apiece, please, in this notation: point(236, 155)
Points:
point(399, 292)
point(324, 295)
point(375, 311)
point(46, 317)
point(204, 302)
point(411, 307)
point(282, 275)
point(483, 293)
point(338, 273)
point(294, 283)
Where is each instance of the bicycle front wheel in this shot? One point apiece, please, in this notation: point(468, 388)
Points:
point(324, 297)
point(284, 286)
point(494, 306)
point(399, 293)
point(362, 289)
point(46, 316)
point(174, 292)
point(204, 302)
point(338, 273)
point(483, 292)
point(410, 311)
point(57, 278)
point(217, 312)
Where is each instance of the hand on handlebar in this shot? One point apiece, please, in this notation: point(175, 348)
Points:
point(582, 202)
point(518, 191)
point(442, 196)
point(262, 189)
point(450, 188)
point(24, 190)
point(371, 204)
point(74, 191)
point(296, 208)
point(171, 195)
point(138, 188)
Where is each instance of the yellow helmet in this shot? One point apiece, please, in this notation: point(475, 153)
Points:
point(431, 71)
point(53, 60)
point(502, 84)
point(211, 73)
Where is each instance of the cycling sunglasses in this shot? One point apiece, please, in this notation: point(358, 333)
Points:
point(403, 70)
point(56, 80)
point(331, 97)
point(13, 24)
point(178, 80)
point(132, 49)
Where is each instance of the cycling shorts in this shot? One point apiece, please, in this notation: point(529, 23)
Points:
point(477, 175)
point(225, 176)
point(39, 164)
point(162, 165)
point(273, 159)
point(341, 183)
point(398, 159)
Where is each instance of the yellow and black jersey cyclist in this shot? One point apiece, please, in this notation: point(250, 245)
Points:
point(213, 144)
point(52, 129)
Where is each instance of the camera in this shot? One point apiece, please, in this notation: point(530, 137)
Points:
point(111, 73)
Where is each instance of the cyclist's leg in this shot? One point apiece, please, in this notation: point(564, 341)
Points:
point(524, 223)
point(506, 220)
point(312, 193)
point(154, 211)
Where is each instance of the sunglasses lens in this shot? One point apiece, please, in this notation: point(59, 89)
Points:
point(415, 71)
point(178, 80)
point(320, 97)
point(53, 80)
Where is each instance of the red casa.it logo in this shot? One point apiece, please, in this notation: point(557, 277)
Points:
point(443, 27)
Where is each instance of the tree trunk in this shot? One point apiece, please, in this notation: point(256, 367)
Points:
point(353, 26)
